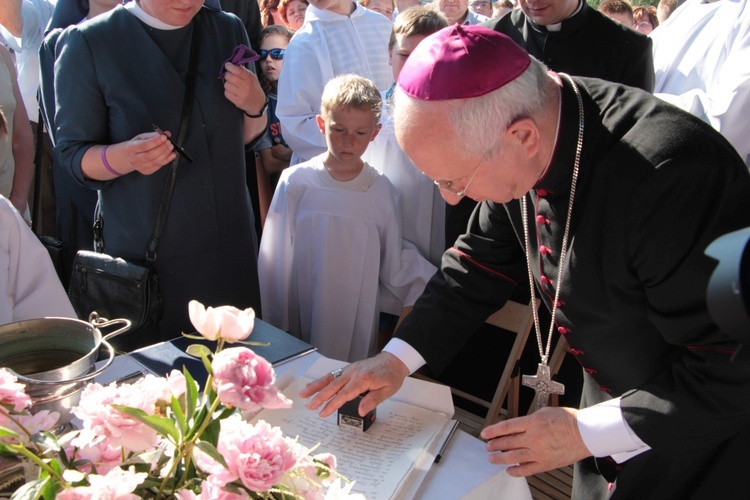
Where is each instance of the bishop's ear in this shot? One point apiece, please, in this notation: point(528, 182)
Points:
point(524, 133)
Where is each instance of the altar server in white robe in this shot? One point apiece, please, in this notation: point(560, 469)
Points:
point(333, 235)
point(29, 286)
point(422, 207)
point(338, 37)
point(701, 55)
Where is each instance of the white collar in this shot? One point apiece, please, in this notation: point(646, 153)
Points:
point(316, 14)
point(558, 26)
point(137, 11)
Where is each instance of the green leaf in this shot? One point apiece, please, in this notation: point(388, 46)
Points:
point(253, 342)
point(198, 350)
point(5, 432)
point(198, 422)
point(32, 490)
point(179, 415)
point(193, 336)
point(46, 440)
point(207, 364)
point(211, 433)
point(211, 451)
point(191, 394)
point(162, 425)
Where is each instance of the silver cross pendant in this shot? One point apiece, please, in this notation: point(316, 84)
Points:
point(543, 385)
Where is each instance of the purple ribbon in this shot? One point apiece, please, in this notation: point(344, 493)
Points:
point(242, 54)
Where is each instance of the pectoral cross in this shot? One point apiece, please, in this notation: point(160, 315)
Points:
point(543, 385)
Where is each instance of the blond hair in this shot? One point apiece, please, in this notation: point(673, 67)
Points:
point(350, 91)
point(417, 21)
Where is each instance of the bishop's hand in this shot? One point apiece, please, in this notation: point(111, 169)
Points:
point(545, 440)
point(380, 376)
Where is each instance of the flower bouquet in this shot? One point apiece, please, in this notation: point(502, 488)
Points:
point(162, 437)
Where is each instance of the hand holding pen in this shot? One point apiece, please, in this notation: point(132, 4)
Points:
point(177, 148)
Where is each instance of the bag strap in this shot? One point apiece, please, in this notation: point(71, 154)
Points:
point(187, 109)
point(38, 153)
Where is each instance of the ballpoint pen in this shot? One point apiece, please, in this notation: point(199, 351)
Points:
point(445, 443)
point(177, 148)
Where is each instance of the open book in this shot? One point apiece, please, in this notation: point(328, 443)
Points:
point(391, 459)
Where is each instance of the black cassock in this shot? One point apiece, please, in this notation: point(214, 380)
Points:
point(656, 186)
point(587, 44)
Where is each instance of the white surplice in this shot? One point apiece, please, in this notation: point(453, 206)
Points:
point(328, 45)
point(29, 286)
point(701, 59)
point(422, 211)
point(326, 248)
point(422, 207)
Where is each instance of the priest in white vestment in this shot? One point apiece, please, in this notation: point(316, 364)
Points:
point(702, 64)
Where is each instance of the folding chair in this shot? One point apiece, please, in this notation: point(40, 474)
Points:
point(517, 319)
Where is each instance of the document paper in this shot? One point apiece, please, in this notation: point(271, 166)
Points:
point(384, 461)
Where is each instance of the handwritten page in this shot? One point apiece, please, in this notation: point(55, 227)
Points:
point(382, 460)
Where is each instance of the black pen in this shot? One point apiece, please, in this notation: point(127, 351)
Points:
point(447, 440)
point(177, 148)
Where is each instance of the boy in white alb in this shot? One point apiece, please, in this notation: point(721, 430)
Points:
point(338, 37)
point(333, 235)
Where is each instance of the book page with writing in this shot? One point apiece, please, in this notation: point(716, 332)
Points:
point(385, 460)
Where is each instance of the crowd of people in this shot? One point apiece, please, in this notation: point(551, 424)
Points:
point(392, 165)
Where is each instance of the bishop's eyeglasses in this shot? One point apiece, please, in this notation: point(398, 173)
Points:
point(447, 185)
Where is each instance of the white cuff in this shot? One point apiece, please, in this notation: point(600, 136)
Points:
point(606, 433)
point(405, 353)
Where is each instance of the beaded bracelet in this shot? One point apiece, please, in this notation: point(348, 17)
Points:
point(106, 164)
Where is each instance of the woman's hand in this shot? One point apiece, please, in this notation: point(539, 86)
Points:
point(145, 153)
point(149, 152)
point(243, 90)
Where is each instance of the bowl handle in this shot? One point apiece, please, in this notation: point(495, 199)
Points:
point(99, 322)
point(82, 378)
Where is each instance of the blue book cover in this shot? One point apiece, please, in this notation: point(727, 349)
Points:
point(162, 358)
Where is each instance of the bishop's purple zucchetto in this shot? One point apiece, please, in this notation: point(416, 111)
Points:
point(460, 62)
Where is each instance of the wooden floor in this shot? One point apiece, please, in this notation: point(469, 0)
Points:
point(552, 485)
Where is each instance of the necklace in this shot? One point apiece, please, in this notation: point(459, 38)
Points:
point(542, 382)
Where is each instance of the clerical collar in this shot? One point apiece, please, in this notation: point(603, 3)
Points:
point(561, 164)
point(557, 79)
point(572, 22)
point(148, 19)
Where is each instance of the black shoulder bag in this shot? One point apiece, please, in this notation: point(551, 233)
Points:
point(113, 287)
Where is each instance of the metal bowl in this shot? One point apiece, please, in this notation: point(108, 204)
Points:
point(54, 357)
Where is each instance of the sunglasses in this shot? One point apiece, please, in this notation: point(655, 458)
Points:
point(277, 54)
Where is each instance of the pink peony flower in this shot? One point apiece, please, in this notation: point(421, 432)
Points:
point(304, 481)
point(102, 455)
point(118, 484)
point(258, 455)
point(101, 422)
point(245, 380)
point(226, 322)
point(12, 393)
point(211, 491)
point(40, 421)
